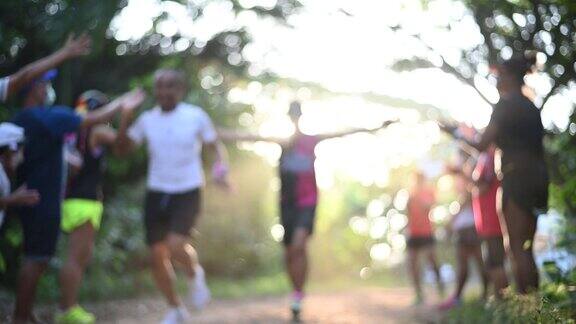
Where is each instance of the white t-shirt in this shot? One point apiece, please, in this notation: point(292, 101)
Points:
point(4, 190)
point(174, 141)
point(4, 88)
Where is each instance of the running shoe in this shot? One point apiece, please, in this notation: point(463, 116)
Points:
point(75, 315)
point(449, 304)
point(177, 315)
point(199, 294)
point(296, 305)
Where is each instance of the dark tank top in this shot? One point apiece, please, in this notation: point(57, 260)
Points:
point(87, 184)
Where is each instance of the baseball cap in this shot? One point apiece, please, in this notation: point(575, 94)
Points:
point(46, 77)
point(91, 100)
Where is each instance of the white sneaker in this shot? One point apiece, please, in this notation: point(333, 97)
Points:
point(177, 316)
point(199, 294)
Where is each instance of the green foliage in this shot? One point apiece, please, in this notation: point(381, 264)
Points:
point(31, 29)
point(554, 303)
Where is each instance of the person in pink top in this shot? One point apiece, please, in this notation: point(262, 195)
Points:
point(420, 238)
point(487, 221)
point(299, 194)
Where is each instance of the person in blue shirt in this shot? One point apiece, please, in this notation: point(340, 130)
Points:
point(45, 127)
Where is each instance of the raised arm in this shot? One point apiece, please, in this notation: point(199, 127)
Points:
point(73, 47)
point(123, 144)
point(486, 139)
point(130, 100)
point(354, 131)
point(103, 135)
point(228, 135)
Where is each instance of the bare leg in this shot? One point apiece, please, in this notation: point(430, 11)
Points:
point(28, 278)
point(431, 255)
point(462, 255)
point(476, 253)
point(297, 259)
point(183, 253)
point(521, 237)
point(414, 267)
point(163, 272)
point(80, 251)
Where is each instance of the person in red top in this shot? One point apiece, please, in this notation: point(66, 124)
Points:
point(486, 219)
point(420, 233)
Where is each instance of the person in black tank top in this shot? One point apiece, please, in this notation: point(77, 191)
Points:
point(516, 128)
point(82, 208)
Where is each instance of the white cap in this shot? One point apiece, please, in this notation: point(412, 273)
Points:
point(11, 135)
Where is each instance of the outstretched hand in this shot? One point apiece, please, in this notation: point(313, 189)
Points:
point(448, 128)
point(25, 197)
point(388, 123)
point(79, 46)
point(132, 100)
point(220, 175)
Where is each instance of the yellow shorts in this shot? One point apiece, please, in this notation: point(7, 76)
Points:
point(77, 212)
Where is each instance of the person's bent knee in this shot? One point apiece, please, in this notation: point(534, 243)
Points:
point(175, 242)
point(160, 250)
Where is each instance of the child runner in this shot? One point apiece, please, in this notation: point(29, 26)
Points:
point(299, 195)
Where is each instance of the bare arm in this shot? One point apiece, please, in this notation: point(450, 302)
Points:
point(73, 48)
point(130, 100)
point(220, 167)
point(123, 144)
point(353, 131)
point(103, 135)
point(102, 115)
point(227, 135)
point(487, 138)
point(21, 197)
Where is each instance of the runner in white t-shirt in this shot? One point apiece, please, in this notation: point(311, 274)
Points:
point(173, 133)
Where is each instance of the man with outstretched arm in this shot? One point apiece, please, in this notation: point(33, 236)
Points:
point(73, 47)
point(174, 132)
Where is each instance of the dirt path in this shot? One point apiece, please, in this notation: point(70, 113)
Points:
point(369, 305)
point(359, 305)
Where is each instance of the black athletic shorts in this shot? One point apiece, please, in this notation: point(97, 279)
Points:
point(41, 230)
point(419, 242)
point(467, 237)
point(294, 217)
point(493, 252)
point(170, 213)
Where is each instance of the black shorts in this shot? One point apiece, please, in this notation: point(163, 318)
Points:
point(170, 213)
point(420, 242)
point(40, 230)
point(493, 252)
point(467, 237)
point(294, 217)
point(528, 188)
